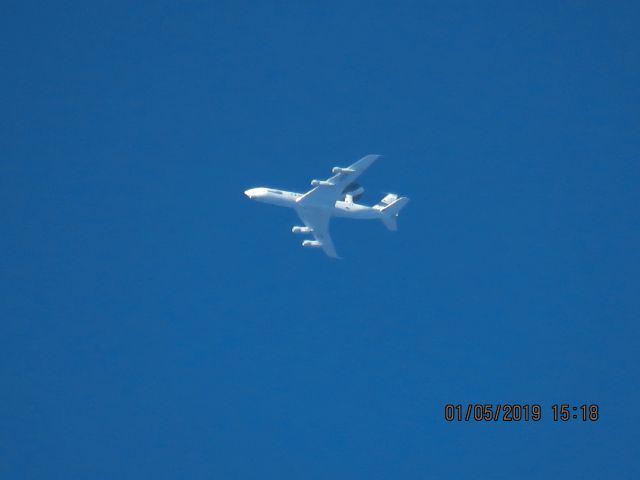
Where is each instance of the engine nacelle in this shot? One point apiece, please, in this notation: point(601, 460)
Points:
point(311, 243)
point(342, 170)
point(302, 230)
point(318, 183)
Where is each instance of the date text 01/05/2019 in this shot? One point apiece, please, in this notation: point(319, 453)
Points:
point(519, 412)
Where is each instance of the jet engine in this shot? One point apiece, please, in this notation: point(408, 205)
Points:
point(302, 230)
point(355, 190)
point(337, 170)
point(311, 243)
point(321, 183)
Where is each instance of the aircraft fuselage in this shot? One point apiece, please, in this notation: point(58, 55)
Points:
point(288, 199)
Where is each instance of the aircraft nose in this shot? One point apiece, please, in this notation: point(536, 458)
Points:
point(255, 193)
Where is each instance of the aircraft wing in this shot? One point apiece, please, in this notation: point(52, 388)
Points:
point(329, 191)
point(318, 221)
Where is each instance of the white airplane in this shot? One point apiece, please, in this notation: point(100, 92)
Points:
point(334, 197)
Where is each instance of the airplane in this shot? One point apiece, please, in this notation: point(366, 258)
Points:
point(334, 197)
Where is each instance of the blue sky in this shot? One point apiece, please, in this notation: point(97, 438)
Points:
point(158, 324)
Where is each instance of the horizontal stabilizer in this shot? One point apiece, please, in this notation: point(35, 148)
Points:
point(395, 207)
point(388, 199)
point(391, 211)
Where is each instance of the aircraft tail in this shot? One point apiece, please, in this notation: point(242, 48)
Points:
point(390, 212)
